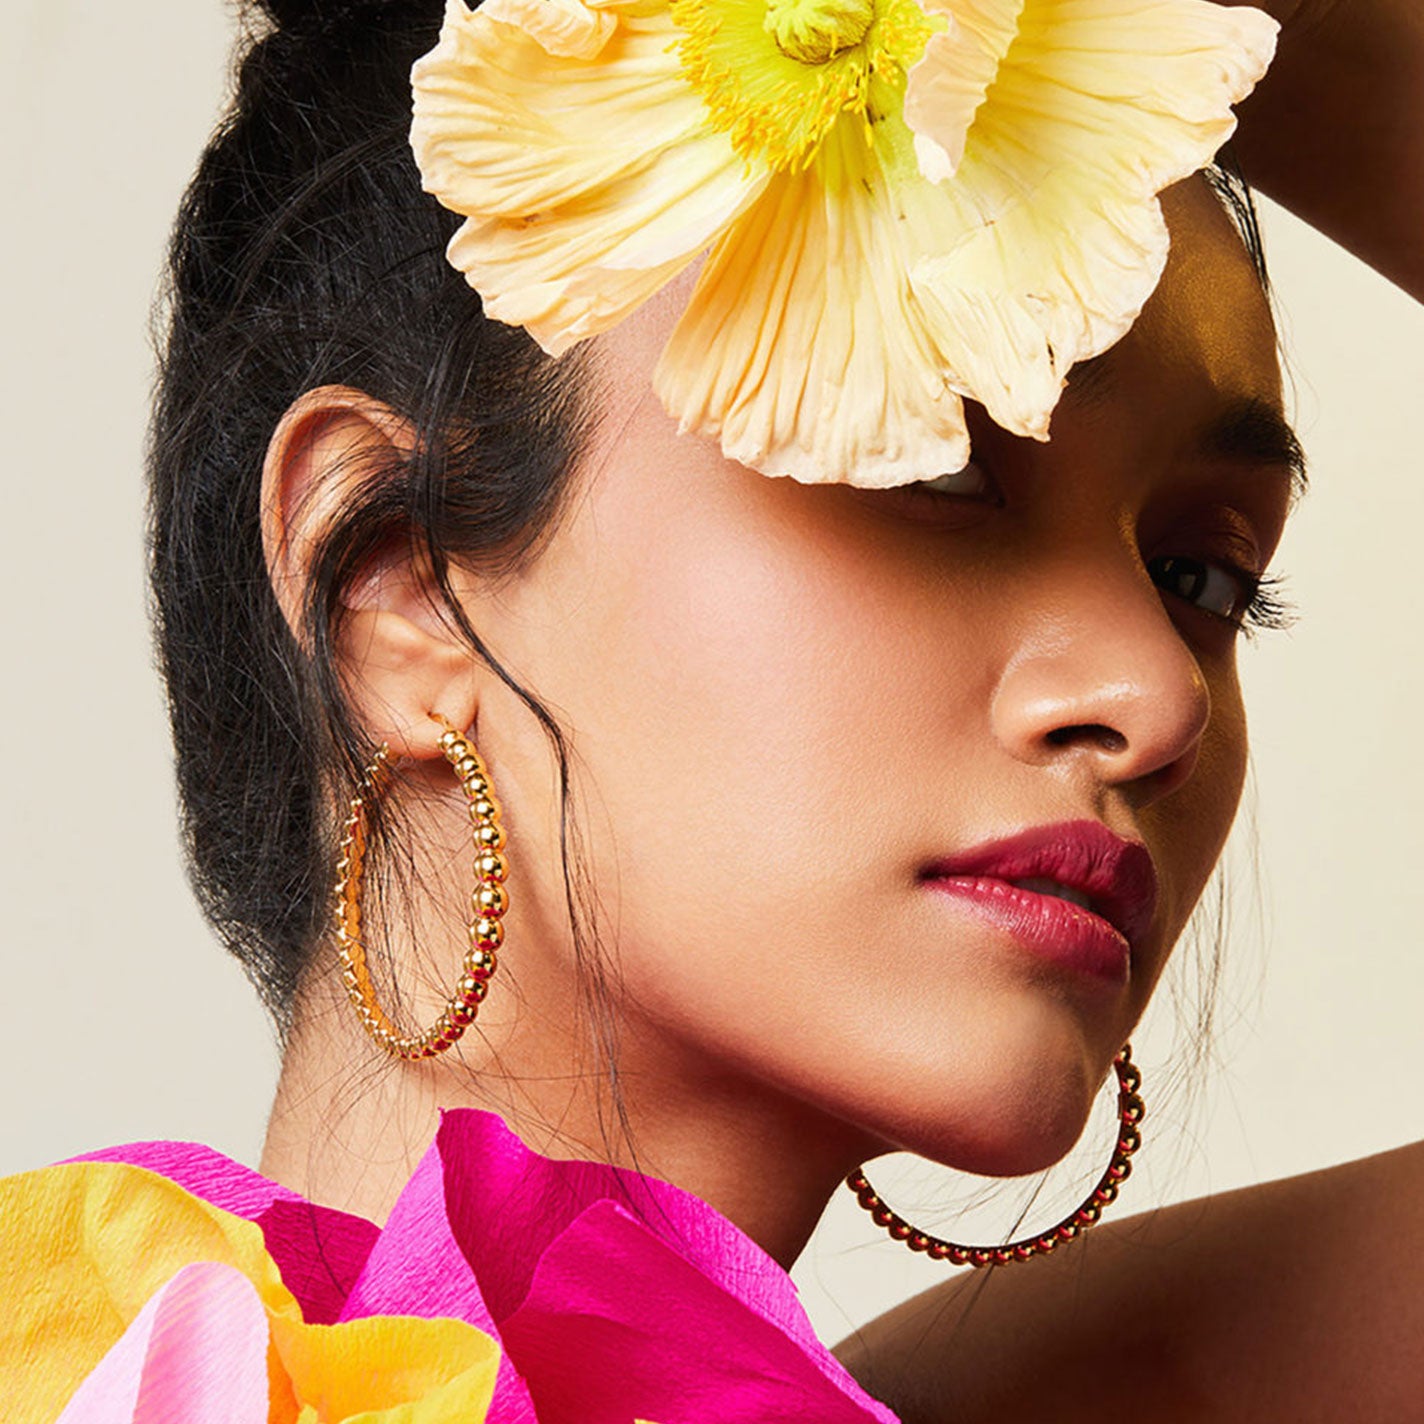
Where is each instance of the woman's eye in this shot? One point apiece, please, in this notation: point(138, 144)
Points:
point(970, 481)
point(1215, 588)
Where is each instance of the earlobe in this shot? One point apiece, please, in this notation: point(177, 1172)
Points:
point(399, 660)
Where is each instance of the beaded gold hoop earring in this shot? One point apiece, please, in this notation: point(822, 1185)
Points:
point(489, 903)
point(1130, 1112)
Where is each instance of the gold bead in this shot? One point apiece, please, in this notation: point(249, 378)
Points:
point(491, 866)
point(492, 900)
point(487, 932)
point(466, 767)
point(490, 836)
point(480, 964)
point(484, 808)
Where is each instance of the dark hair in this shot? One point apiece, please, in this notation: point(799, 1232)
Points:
point(306, 254)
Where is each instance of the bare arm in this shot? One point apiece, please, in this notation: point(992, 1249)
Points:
point(1302, 1300)
point(1335, 132)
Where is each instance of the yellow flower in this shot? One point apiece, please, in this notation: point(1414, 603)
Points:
point(120, 1285)
point(898, 204)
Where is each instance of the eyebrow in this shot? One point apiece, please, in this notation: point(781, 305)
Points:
point(1253, 429)
point(1249, 429)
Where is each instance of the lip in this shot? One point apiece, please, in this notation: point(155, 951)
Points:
point(1117, 875)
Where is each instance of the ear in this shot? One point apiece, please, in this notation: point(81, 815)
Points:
point(398, 658)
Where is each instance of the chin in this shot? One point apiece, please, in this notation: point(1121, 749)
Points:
point(1014, 1101)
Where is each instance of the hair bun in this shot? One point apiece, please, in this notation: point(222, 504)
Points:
point(310, 17)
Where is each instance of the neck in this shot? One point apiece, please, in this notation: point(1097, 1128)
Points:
point(349, 1125)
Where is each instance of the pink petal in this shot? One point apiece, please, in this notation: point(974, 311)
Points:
point(679, 1346)
point(529, 1225)
point(195, 1354)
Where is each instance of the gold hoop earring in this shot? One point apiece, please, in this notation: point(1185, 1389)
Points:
point(1130, 1112)
point(489, 903)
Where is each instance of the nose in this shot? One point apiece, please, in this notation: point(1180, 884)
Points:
point(1101, 678)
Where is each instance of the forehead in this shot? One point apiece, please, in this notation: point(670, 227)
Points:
point(1208, 324)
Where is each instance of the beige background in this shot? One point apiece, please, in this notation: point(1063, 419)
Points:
point(123, 1020)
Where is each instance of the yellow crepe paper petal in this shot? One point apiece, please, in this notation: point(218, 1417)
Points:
point(389, 1369)
point(588, 184)
point(84, 1247)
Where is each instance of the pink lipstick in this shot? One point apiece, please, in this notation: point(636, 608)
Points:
point(1072, 893)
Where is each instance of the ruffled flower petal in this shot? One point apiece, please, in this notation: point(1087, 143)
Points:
point(506, 1287)
point(803, 346)
point(1002, 222)
point(1095, 108)
point(567, 29)
point(389, 1370)
point(84, 1249)
point(587, 183)
point(946, 89)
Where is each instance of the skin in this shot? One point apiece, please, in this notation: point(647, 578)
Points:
point(1333, 131)
point(785, 701)
point(1298, 1300)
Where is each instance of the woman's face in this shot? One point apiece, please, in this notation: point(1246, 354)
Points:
point(799, 715)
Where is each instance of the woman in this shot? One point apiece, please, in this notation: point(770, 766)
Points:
point(1090, 685)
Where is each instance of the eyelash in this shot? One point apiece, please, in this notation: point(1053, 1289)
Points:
point(1267, 608)
point(1262, 605)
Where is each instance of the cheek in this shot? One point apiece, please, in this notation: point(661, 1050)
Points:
point(755, 723)
point(1188, 830)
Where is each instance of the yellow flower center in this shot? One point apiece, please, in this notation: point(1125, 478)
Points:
point(777, 75)
point(814, 31)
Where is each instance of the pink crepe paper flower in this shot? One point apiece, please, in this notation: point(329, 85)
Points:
point(614, 1297)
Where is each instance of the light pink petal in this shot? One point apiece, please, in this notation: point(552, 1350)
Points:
point(195, 1354)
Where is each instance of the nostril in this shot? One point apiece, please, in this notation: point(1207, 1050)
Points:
point(1108, 739)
